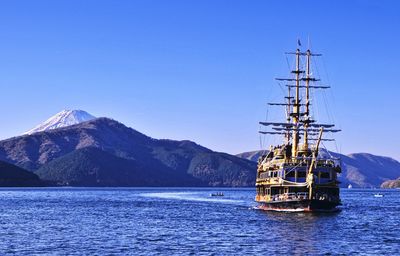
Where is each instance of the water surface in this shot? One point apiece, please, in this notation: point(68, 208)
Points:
point(149, 221)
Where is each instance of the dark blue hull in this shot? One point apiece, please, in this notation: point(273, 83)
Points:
point(301, 205)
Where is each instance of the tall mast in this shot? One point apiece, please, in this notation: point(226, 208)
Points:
point(296, 106)
point(288, 133)
point(297, 122)
point(307, 113)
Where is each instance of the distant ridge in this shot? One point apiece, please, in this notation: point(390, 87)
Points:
point(62, 119)
point(104, 152)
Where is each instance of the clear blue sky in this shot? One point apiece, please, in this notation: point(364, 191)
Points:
point(198, 70)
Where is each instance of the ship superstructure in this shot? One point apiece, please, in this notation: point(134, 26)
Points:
point(293, 176)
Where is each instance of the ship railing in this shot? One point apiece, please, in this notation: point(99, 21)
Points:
point(290, 196)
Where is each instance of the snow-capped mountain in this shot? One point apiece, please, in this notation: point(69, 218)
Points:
point(62, 119)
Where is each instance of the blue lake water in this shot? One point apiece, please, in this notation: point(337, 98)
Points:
point(151, 221)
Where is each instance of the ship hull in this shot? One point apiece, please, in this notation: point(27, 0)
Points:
point(300, 206)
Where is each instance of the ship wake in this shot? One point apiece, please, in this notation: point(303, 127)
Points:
point(192, 196)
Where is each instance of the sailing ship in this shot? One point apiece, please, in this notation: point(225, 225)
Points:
point(294, 176)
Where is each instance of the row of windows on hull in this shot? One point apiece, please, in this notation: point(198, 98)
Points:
point(265, 190)
point(323, 174)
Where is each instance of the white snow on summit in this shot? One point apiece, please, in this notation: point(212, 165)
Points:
point(62, 119)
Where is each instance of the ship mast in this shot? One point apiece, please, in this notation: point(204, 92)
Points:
point(296, 106)
point(298, 122)
point(307, 113)
point(288, 133)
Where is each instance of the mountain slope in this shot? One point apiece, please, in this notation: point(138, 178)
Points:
point(59, 157)
point(14, 176)
point(94, 167)
point(360, 169)
point(252, 155)
point(367, 170)
point(391, 183)
point(62, 119)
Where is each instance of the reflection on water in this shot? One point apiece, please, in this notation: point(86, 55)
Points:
point(300, 232)
point(78, 221)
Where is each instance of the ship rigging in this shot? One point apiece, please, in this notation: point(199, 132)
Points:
point(293, 176)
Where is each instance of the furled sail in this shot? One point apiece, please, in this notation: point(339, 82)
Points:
point(303, 129)
point(299, 124)
point(310, 86)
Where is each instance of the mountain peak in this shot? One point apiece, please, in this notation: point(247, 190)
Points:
point(62, 119)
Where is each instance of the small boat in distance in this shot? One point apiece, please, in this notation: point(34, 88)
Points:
point(350, 186)
point(217, 194)
point(379, 195)
point(294, 176)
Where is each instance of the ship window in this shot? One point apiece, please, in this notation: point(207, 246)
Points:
point(301, 174)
